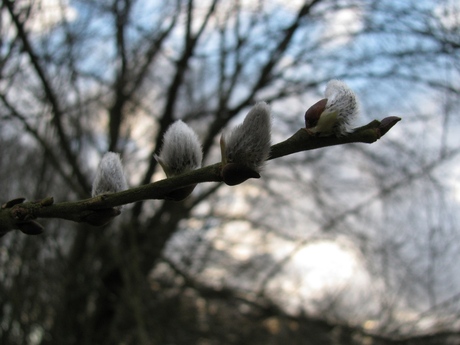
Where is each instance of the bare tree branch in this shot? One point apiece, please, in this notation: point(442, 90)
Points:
point(100, 210)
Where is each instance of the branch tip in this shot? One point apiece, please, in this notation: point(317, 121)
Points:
point(387, 123)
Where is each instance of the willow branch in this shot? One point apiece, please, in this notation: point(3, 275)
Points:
point(17, 214)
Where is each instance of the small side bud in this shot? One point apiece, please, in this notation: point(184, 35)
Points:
point(11, 203)
point(48, 201)
point(181, 151)
point(109, 176)
point(247, 145)
point(333, 114)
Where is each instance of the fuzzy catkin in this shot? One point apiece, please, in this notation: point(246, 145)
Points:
point(109, 176)
point(249, 143)
point(181, 151)
point(341, 99)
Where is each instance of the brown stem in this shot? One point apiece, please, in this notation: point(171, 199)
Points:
point(99, 210)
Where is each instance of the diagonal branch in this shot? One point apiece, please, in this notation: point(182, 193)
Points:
point(103, 208)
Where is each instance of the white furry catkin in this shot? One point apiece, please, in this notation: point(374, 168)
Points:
point(341, 99)
point(109, 176)
point(181, 151)
point(333, 114)
point(249, 143)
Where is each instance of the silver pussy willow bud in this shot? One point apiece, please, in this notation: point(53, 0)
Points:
point(249, 143)
point(335, 113)
point(181, 151)
point(109, 176)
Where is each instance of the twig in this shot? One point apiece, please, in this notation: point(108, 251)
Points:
point(99, 210)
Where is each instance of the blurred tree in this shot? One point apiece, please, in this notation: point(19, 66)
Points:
point(79, 78)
